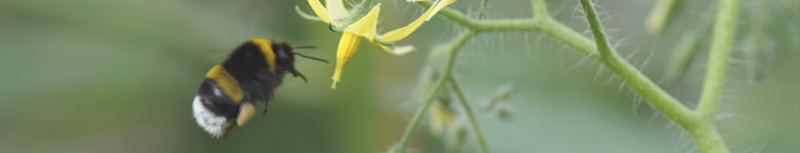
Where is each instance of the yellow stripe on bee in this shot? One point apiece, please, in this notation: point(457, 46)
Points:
point(266, 49)
point(226, 82)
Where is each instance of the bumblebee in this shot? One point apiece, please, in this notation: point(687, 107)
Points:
point(250, 74)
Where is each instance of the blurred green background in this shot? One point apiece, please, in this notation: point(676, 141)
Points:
point(119, 76)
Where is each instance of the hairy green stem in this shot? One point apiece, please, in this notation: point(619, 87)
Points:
point(724, 29)
point(597, 31)
point(542, 23)
point(699, 123)
point(647, 89)
point(483, 9)
point(539, 9)
point(453, 49)
point(755, 41)
point(470, 115)
point(568, 36)
point(429, 98)
point(706, 136)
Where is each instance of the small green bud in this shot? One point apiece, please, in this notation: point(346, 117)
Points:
point(501, 94)
point(505, 92)
point(504, 112)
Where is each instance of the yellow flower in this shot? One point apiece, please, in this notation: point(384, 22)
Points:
point(441, 117)
point(335, 14)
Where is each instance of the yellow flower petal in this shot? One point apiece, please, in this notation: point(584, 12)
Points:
point(320, 10)
point(401, 50)
point(348, 45)
point(336, 9)
point(366, 26)
point(403, 32)
point(439, 6)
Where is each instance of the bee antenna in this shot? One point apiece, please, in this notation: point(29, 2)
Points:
point(304, 47)
point(313, 58)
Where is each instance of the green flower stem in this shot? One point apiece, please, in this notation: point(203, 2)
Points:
point(453, 49)
point(724, 29)
point(699, 123)
point(659, 15)
point(472, 121)
point(597, 31)
point(483, 9)
point(755, 40)
point(652, 93)
point(542, 23)
point(412, 127)
point(701, 126)
point(539, 9)
point(707, 138)
point(705, 135)
point(485, 25)
point(646, 88)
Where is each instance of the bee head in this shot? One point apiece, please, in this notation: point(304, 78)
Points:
point(283, 56)
point(285, 59)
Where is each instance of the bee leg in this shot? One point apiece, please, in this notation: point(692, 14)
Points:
point(271, 95)
point(227, 131)
point(266, 102)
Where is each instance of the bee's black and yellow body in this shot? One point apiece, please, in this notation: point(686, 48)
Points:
point(250, 74)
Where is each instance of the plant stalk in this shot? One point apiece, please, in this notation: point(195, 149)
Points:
point(454, 48)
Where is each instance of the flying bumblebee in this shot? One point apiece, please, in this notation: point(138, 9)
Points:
point(251, 73)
